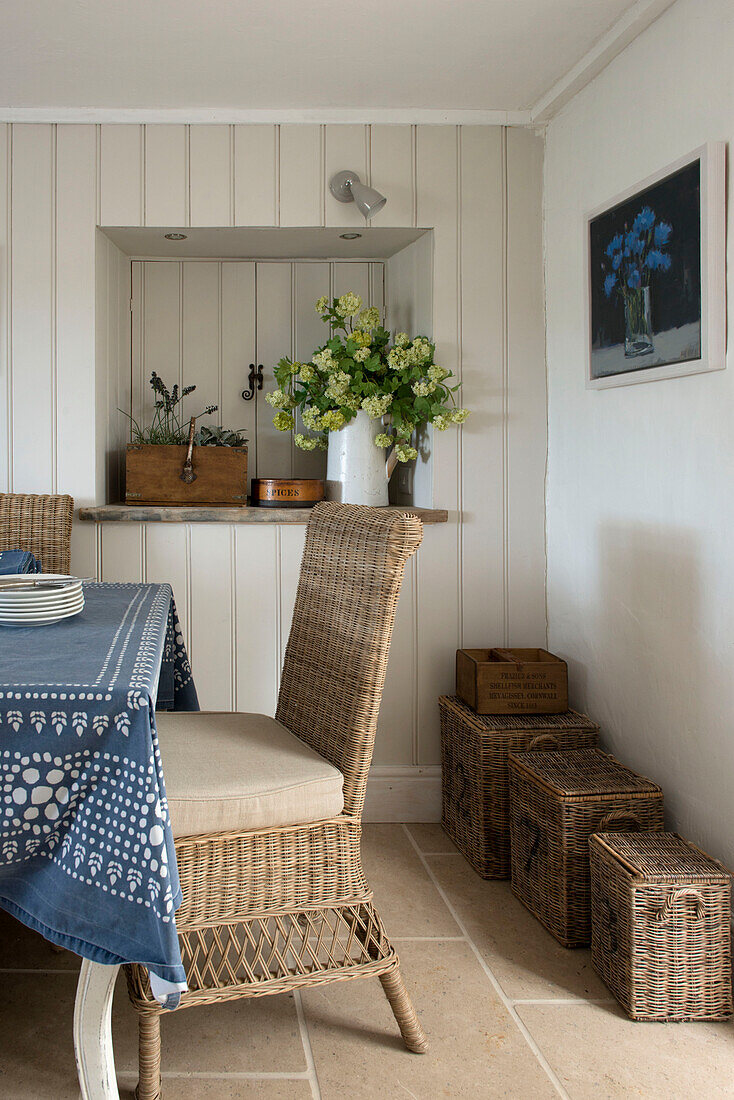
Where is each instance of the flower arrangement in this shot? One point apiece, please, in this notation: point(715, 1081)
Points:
point(167, 426)
point(636, 254)
point(360, 369)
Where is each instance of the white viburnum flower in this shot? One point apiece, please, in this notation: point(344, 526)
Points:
point(437, 374)
point(397, 358)
point(405, 453)
point(348, 304)
point(369, 319)
point(422, 389)
point(377, 406)
point(324, 359)
point(311, 418)
point(279, 400)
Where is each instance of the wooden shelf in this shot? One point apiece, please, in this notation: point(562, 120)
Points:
point(138, 513)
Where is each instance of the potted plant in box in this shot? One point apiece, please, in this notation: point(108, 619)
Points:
point(362, 395)
point(170, 462)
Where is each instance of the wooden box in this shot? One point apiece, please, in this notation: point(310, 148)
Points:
point(153, 475)
point(475, 783)
point(512, 681)
point(557, 800)
point(661, 926)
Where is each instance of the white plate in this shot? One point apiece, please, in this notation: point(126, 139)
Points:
point(19, 595)
point(39, 622)
point(24, 578)
point(42, 613)
point(10, 603)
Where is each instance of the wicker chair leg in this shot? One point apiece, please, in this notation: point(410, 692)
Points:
point(149, 1056)
point(410, 1028)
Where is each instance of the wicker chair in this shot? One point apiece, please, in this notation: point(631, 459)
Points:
point(268, 909)
point(39, 523)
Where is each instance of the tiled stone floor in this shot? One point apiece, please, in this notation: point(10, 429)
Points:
point(508, 1012)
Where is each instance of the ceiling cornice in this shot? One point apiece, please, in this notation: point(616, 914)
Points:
point(228, 116)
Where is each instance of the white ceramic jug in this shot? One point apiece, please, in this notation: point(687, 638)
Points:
point(356, 470)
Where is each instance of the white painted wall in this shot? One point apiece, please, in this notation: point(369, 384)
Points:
point(640, 503)
point(478, 579)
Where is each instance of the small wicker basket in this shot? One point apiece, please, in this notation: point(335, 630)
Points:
point(661, 933)
point(558, 801)
point(476, 798)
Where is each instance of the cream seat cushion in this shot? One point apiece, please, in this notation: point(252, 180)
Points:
point(227, 772)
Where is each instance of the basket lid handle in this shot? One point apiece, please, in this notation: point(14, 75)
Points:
point(544, 739)
point(679, 895)
point(616, 817)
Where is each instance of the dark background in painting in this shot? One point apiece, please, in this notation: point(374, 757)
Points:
point(675, 294)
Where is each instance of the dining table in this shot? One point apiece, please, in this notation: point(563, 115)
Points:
point(86, 848)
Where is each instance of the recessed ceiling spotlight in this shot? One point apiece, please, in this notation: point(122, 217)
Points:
point(350, 236)
point(175, 236)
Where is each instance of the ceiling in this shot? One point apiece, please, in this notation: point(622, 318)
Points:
point(262, 244)
point(478, 55)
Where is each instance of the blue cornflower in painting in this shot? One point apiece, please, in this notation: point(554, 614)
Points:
point(614, 245)
point(636, 255)
point(644, 221)
point(658, 261)
point(662, 233)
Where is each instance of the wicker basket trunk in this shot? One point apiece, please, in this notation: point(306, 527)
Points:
point(558, 801)
point(661, 934)
point(475, 792)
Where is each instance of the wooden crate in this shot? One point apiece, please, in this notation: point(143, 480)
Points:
point(475, 783)
point(153, 475)
point(512, 681)
point(661, 926)
point(557, 801)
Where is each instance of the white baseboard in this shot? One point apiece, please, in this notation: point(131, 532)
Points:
point(403, 794)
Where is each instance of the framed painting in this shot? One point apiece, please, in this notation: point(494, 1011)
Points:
point(656, 275)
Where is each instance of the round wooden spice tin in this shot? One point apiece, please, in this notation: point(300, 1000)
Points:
point(286, 492)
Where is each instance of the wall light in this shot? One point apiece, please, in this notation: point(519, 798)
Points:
point(347, 187)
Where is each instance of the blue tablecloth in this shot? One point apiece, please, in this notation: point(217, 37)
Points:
point(86, 848)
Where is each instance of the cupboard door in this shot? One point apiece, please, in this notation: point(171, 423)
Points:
point(238, 353)
point(309, 332)
point(274, 340)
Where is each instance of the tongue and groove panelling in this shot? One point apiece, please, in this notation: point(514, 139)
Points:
point(478, 579)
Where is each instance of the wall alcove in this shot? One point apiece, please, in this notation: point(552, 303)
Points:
point(200, 311)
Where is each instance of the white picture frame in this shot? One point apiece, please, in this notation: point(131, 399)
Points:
point(713, 334)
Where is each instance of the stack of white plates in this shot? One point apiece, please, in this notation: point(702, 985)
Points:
point(38, 599)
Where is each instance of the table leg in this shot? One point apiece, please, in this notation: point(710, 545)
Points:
point(95, 1060)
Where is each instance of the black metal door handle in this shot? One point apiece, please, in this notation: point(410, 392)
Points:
point(253, 377)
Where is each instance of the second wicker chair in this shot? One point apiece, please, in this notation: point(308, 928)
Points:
point(267, 841)
point(40, 523)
